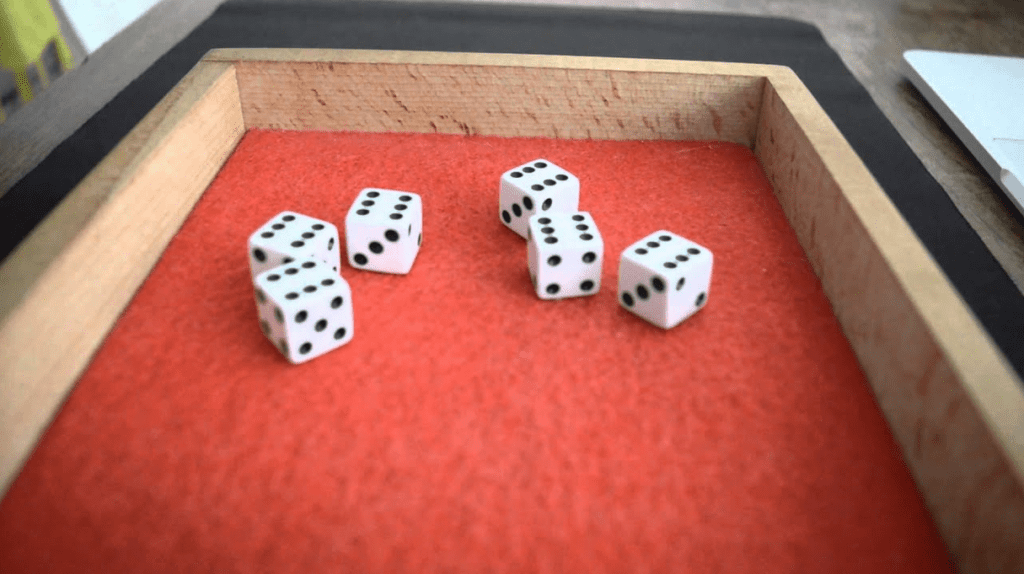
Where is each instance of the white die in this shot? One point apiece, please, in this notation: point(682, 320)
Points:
point(536, 187)
point(565, 253)
point(305, 309)
point(384, 230)
point(665, 278)
point(289, 236)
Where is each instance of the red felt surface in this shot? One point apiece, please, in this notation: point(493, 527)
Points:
point(470, 426)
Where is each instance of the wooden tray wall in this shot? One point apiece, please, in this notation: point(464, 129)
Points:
point(951, 399)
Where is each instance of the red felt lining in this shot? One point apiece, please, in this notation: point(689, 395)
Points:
point(470, 426)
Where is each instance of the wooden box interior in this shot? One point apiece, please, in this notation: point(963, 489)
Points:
point(951, 399)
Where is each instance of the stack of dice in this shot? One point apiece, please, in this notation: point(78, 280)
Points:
point(303, 302)
point(663, 278)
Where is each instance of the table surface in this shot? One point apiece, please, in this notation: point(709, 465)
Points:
point(869, 35)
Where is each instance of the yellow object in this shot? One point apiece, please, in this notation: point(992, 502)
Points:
point(32, 50)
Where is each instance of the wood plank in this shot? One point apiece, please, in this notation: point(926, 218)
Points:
point(952, 402)
point(66, 284)
point(497, 95)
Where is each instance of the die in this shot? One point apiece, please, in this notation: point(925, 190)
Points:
point(289, 236)
point(565, 253)
point(384, 230)
point(305, 309)
point(664, 278)
point(535, 187)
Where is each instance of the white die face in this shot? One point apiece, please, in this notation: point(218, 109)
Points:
point(565, 253)
point(384, 230)
point(537, 187)
point(289, 236)
point(305, 309)
point(665, 278)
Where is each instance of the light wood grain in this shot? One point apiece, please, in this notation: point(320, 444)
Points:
point(462, 94)
point(951, 400)
point(65, 286)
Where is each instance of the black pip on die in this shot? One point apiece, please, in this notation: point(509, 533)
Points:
point(384, 230)
point(289, 236)
point(565, 253)
point(305, 309)
point(538, 187)
point(664, 278)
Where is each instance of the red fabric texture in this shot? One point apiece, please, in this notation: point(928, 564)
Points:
point(469, 426)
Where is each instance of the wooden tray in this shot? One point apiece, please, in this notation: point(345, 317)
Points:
point(951, 399)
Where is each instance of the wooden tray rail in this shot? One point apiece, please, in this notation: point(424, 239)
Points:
point(951, 399)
